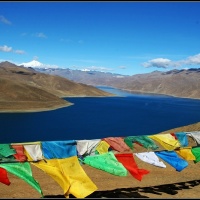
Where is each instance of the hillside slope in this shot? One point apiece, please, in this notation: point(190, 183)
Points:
point(180, 83)
point(24, 89)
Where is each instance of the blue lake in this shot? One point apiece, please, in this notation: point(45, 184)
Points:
point(95, 118)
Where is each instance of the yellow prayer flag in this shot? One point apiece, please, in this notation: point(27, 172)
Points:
point(69, 174)
point(186, 153)
point(166, 140)
point(102, 147)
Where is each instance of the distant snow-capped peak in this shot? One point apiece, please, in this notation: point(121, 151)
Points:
point(33, 63)
point(37, 64)
point(85, 70)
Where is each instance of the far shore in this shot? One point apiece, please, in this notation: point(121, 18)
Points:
point(152, 93)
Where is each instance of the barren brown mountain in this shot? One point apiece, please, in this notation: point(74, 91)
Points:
point(180, 83)
point(24, 89)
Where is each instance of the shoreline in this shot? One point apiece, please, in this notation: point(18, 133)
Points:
point(83, 96)
point(37, 110)
point(146, 93)
point(152, 93)
point(50, 108)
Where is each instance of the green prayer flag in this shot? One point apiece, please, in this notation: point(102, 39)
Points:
point(7, 159)
point(144, 140)
point(6, 150)
point(128, 142)
point(106, 162)
point(196, 153)
point(23, 171)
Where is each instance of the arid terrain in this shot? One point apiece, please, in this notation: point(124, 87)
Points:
point(159, 183)
point(27, 90)
point(179, 83)
point(24, 89)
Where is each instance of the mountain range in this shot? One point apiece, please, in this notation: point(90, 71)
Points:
point(34, 86)
point(180, 83)
point(25, 89)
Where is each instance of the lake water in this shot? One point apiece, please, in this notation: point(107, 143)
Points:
point(96, 118)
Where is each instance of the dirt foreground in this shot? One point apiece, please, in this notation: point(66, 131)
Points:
point(159, 183)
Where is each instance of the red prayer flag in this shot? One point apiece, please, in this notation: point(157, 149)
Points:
point(129, 163)
point(117, 143)
point(20, 156)
point(173, 134)
point(4, 177)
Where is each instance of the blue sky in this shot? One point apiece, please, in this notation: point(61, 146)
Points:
point(119, 37)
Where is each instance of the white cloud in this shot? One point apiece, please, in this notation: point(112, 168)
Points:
point(166, 63)
point(193, 60)
point(4, 20)
point(158, 62)
point(5, 48)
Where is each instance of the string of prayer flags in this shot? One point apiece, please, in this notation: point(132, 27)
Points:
point(60, 159)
